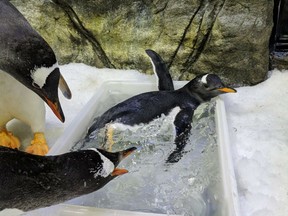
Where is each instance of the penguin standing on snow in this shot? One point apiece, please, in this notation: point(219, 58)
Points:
point(145, 107)
point(26, 57)
point(31, 181)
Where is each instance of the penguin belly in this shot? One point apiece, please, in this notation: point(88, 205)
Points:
point(165, 119)
point(132, 133)
point(17, 101)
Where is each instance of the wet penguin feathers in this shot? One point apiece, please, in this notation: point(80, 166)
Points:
point(165, 82)
point(116, 157)
point(32, 181)
point(145, 107)
point(204, 87)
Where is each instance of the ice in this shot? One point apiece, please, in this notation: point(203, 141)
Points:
point(190, 187)
point(10, 212)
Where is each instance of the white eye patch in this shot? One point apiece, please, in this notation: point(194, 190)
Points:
point(107, 166)
point(40, 75)
point(204, 79)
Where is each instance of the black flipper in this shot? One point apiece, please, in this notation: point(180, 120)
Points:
point(165, 82)
point(183, 127)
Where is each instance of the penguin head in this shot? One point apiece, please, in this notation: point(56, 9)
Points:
point(94, 166)
point(41, 181)
point(45, 82)
point(207, 86)
point(29, 58)
point(116, 158)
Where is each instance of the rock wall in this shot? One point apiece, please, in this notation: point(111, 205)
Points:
point(226, 37)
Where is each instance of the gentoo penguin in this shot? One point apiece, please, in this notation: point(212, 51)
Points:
point(145, 107)
point(165, 82)
point(26, 56)
point(30, 181)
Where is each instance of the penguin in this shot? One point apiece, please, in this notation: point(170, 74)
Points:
point(31, 181)
point(26, 57)
point(145, 107)
point(165, 82)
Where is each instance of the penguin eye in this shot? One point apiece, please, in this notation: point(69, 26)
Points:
point(206, 85)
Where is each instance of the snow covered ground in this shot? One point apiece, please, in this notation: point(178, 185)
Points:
point(258, 122)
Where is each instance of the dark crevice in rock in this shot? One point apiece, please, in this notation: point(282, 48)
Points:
point(244, 6)
point(85, 32)
point(196, 52)
point(147, 2)
point(183, 37)
point(159, 10)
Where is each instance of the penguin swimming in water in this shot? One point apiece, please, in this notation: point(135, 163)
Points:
point(26, 57)
point(145, 107)
point(30, 181)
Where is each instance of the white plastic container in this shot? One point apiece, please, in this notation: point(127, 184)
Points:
point(118, 91)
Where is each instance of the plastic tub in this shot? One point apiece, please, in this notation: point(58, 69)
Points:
point(118, 91)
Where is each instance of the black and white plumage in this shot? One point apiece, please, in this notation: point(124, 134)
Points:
point(29, 181)
point(26, 57)
point(145, 107)
point(165, 82)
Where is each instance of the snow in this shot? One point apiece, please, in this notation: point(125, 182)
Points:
point(257, 120)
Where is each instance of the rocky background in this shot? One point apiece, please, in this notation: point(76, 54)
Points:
point(226, 37)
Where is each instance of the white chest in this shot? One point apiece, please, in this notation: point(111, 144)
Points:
point(17, 101)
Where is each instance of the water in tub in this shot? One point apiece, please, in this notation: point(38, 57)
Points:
point(190, 187)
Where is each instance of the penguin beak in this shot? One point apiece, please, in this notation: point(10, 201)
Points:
point(124, 154)
point(56, 108)
point(227, 90)
point(118, 172)
point(127, 152)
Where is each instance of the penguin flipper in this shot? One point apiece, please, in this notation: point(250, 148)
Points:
point(183, 127)
point(165, 82)
point(64, 88)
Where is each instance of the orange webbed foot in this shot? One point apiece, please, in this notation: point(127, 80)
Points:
point(38, 145)
point(7, 139)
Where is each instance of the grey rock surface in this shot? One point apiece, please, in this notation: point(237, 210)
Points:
point(226, 37)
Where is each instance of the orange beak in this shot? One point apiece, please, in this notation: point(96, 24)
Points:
point(124, 154)
point(227, 90)
point(56, 108)
point(118, 172)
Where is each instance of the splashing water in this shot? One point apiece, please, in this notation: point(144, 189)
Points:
point(191, 187)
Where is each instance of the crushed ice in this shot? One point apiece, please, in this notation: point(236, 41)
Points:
point(189, 187)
